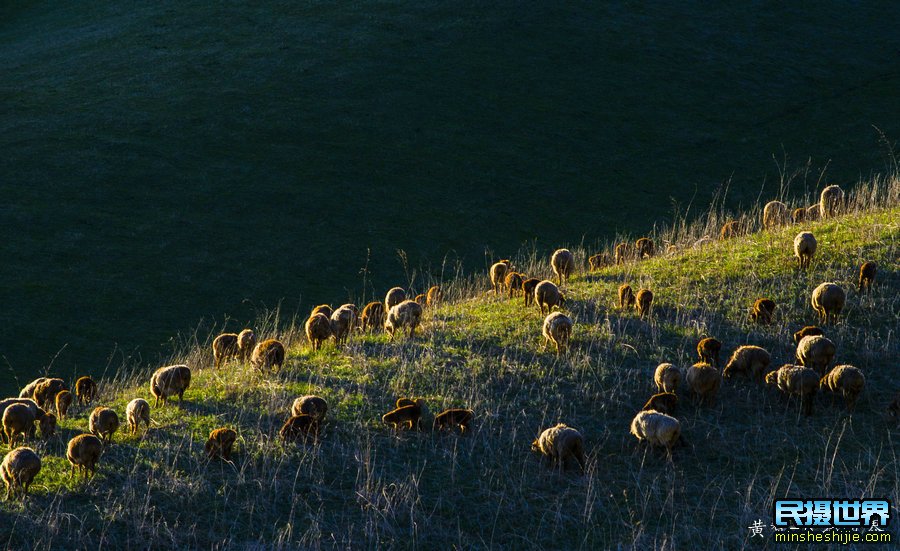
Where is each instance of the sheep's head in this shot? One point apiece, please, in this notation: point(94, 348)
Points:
point(772, 378)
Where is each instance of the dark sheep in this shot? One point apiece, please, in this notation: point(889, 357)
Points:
point(434, 296)
point(809, 330)
point(513, 282)
point(85, 390)
point(314, 406)
point(323, 309)
point(225, 348)
point(84, 452)
point(528, 286)
point(103, 423)
point(751, 362)
point(762, 311)
point(622, 253)
point(18, 470)
point(246, 342)
point(546, 293)
point(372, 316)
point(626, 296)
point(299, 426)
point(599, 260)
point(268, 354)
point(664, 402)
point(318, 329)
point(450, 418)
point(63, 401)
point(498, 274)
point(867, 276)
point(45, 392)
point(409, 416)
point(644, 300)
point(643, 248)
point(220, 443)
point(394, 296)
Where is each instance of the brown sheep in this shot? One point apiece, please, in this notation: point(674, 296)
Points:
point(643, 300)
point(667, 377)
point(84, 452)
point(563, 264)
point(48, 425)
point(831, 202)
point(63, 401)
point(847, 380)
point(708, 351)
point(626, 296)
point(867, 276)
point(169, 381)
point(342, 321)
point(704, 381)
point(136, 412)
point(798, 381)
point(225, 348)
point(318, 329)
point(298, 426)
point(730, 229)
point(268, 354)
point(28, 391)
point(421, 299)
point(560, 443)
point(828, 300)
point(35, 409)
point(498, 274)
point(799, 215)
point(598, 261)
point(220, 443)
point(643, 248)
point(434, 296)
point(657, 429)
point(18, 470)
point(513, 282)
point(807, 331)
point(804, 248)
point(450, 418)
point(546, 293)
point(18, 419)
point(45, 392)
point(408, 415)
point(85, 390)
point(323, 309)
point(775, 214)
point(815, 352)
point(762, 311)
point(394, 296)
point(751, 362)
point(103, 423)
point(246, 342)
point(528, 287)
point(406, 314)
point(557, 329)
point(813, 213)
point(314, 406)
point(622, 253)
point(372, 316)
point(664, 402)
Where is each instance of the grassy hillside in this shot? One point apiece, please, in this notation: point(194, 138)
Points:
point(170, 163)
point(362, 486)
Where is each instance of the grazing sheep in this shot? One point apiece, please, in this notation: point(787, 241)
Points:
point(657, 429)
point(775, 214)
point(643, 248)
point(813, 213)
point(867, 276)
point(103, 422)
point(708, 350)
point(169, 381)
point(804, 248)
point(815, 352)
point(434, 296)
point(664, 402)
point(84, 452)
point(394, 296)
point(498, 274)
point(828, 300)
point(762, 311)
point(831, 202)
point(799, 215)
point(35, 409)
point(644, 299)
point(450, 418)
point(513, 282)
point(18, 470)
point(136, 412)
point(220, 443)
point(598, 261)
point(809, 330)
point(85, 390)
point(847, 380)
point(704, 381)
point(563, 264)
point(622, 253)
point(730, 229)
point(246, 342)
point(225, 348)
point(324, 309)
point(667, 377)
point(557, 329)
point(63, 401)
point(314, 406)
point(17, 419)
point(546, 293)
point(402, 401)
point(298, 426)
point(318, 329)
point(268, 354)
point(528, 287)
point(410, 415)
point(626, 296)
point(28, 391)
point(796, 380)
point(372, 317)
point(342, 321)
point(750, 361)
point(559, 443)
point(48, 425)
point(421, 299)
point(406, 314)
point(45, 392)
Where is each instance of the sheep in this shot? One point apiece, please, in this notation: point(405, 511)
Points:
point(48, 425)
point(513, 282)
point(546, 293)
point(528, 287)
point(831, 202)
point(644, 248)
point(136, 412)
point(342, 321)
point(667, 377)
point(85, 390)
point(867, 276)
point(45, 392)
point(63, 401)
point(563, 264)
point(799, 215)
point(406, 314)
point(828, 300)
point(657, 429)
point(708, 350)
point(796, 380)
point(394, 296)
point(847, 379)
point(704, 381)
point(775, 214)
point(804, 248)
point(559, 443)
point(246, 342)
point(557, 329)
point(372, 316)
point(103, 423)
point(298, 426)
point(84, 452)
point(314, 406)
point(750, 361)
point(809, 330)
point(268, 354)
point(450, 418)
point(498, 274)
point(318, 329)
point(220, 443)
point(410, 415)
point(35, 409)
point(421, 299)
point(762, 311)
point(28, 391)
point(815, 352)
point(225, 348)
point(323, 309)
point(622, 252)
point(434, 296)
point(664, 402)
point(598, 261)
point(643, 300)
point(18, 419)
point(169, 381)
point(18, 470)
point(812, 213)
point(626, 296)
point(730, 229)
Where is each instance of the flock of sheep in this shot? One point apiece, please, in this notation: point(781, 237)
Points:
point(654, 424)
